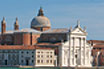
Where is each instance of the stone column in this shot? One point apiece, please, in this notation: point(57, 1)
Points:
point(80, 51)
point(70, 59)
point(74, 49)
point(84, 42)
point(89, 56)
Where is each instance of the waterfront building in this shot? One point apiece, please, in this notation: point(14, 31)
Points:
point(40, 45)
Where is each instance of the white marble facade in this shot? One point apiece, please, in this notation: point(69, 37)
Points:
point(76, 51)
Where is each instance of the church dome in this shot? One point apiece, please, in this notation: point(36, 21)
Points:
point(40, 20)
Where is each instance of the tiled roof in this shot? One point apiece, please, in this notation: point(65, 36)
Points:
point(20, 47)
point(61, 30)
point(98, 46)
point(27, 30)
point(49, 44)
point(9, 32)
point(96, 41)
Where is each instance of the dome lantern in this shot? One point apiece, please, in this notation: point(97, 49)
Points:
point(40, 12)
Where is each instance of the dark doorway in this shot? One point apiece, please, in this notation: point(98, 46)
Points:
point(27, 62)
point(5, 62)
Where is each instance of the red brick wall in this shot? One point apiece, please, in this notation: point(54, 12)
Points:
point(35, 38)
point(53, 37)
point(26, 39)
point(6, 39)
point(101, 59)
point(18, 39)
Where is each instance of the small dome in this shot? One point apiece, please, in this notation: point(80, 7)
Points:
point(40, 20)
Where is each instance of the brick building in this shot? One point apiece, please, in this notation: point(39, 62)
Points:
point(97, 52)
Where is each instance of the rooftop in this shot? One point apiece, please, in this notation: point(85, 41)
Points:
point(59, 30)
point(20, 47)
point(48, 44)
point(96, 41)
point(27, 30)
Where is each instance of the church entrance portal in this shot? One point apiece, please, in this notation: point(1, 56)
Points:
point(5, 62)
point(27, 62)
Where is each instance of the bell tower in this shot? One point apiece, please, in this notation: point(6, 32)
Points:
point(16, 25)
point(3, 26)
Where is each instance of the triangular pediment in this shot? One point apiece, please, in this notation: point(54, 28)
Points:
point(78, 31)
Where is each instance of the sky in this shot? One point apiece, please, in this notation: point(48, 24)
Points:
point(62, 14)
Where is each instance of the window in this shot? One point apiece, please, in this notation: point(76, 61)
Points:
point(32, 61)
point(38, 56)
point(41, 55)
point(22, 52)
point(50, 61)
point(32, 55)
point(51, 52)
point(47, 61)
point(41, 29)
point(32, 52)
point(27, 52)
point(99, 48)
point(22, 61)
point(41, 61)
point(38, 61)
point(51, 56)
point(76, 56)
point(47, 56)
point(38, 52)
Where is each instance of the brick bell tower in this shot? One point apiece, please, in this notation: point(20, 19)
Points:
point(3, 26)
point(16, 25)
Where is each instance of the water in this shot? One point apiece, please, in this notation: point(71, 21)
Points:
point(53, 68)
